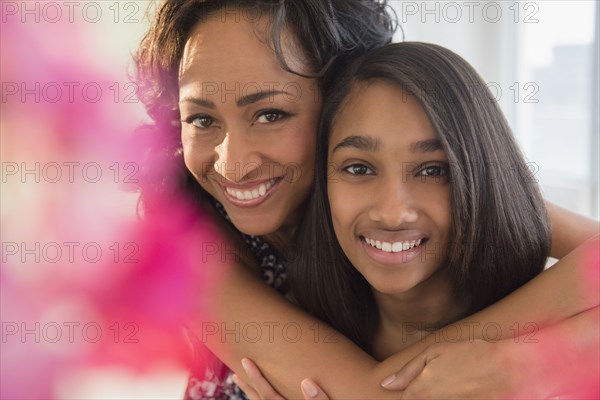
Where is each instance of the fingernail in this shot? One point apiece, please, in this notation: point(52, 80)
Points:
point(309, 388)
point(245, 365)
point(235, 379)
point(387, 381)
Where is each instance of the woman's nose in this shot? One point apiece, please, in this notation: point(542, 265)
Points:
point(237, 159)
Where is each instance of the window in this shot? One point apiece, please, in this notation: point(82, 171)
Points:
point(559, 131)
point(540, 60)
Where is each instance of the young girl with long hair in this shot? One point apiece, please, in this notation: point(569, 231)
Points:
point(427, 205)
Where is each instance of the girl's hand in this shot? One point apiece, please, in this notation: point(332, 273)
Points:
point(260, 388)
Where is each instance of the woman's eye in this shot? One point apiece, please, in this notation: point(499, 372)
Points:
point(202, 122)
point(358, 169)
point(270, 116)
point(434, 170)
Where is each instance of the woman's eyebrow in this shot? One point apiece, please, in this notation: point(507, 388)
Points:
point(198, 101)
point(365, 143)
point(258, 96)
point(426, 146)
point(240, 101)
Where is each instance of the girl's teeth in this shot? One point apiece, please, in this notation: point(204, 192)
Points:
point(395, 247)
point(251, 195)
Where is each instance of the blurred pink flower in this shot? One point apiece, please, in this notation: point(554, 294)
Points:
point(84, 282)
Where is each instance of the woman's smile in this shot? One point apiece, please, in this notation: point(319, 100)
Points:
point(250, 194)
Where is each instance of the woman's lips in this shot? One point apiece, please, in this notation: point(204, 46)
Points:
point(250, 195)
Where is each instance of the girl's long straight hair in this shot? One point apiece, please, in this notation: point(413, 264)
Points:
point(500, 236)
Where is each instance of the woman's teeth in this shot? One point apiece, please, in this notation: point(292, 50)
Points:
point(251, 194)
point(395, 247)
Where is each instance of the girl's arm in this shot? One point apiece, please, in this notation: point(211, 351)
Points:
point(242, 318)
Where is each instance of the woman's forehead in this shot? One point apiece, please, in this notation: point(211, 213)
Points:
point(225, 46)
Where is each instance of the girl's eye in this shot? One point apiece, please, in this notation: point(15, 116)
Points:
point(434, 170)
point(358, 169)
point(270, 116)
point(201, 121)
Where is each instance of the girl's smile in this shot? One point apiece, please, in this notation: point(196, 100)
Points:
point(393, 247)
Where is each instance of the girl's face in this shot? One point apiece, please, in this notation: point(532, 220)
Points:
point(390, 195)
point(248, 126)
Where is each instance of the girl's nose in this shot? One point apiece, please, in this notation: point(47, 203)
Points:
point(393, 205)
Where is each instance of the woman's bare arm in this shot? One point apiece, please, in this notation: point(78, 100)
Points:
point(250, 320)
point(569, 230)
point(570, 287)
point(528, 366)
point(241, 317)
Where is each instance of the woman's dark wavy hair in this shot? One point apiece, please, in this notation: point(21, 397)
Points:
point(325, 29)
point(500, 235)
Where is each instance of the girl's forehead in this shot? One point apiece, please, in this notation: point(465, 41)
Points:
point(383, 111)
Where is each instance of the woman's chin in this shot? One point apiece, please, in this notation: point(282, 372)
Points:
point(255, 226)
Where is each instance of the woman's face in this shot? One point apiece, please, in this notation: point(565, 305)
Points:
point(248, 126)
point(390, 195)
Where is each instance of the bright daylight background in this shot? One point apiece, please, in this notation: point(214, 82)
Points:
point(539, 57)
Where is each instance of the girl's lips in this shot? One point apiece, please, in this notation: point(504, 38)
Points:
point(393, 246)
point(399, 252)
point(250, 195)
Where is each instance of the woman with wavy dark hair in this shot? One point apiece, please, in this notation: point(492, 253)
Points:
point(234, 89)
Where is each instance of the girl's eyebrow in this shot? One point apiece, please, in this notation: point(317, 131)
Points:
point(242, 101)
point(366, 143)
point(426, 146)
